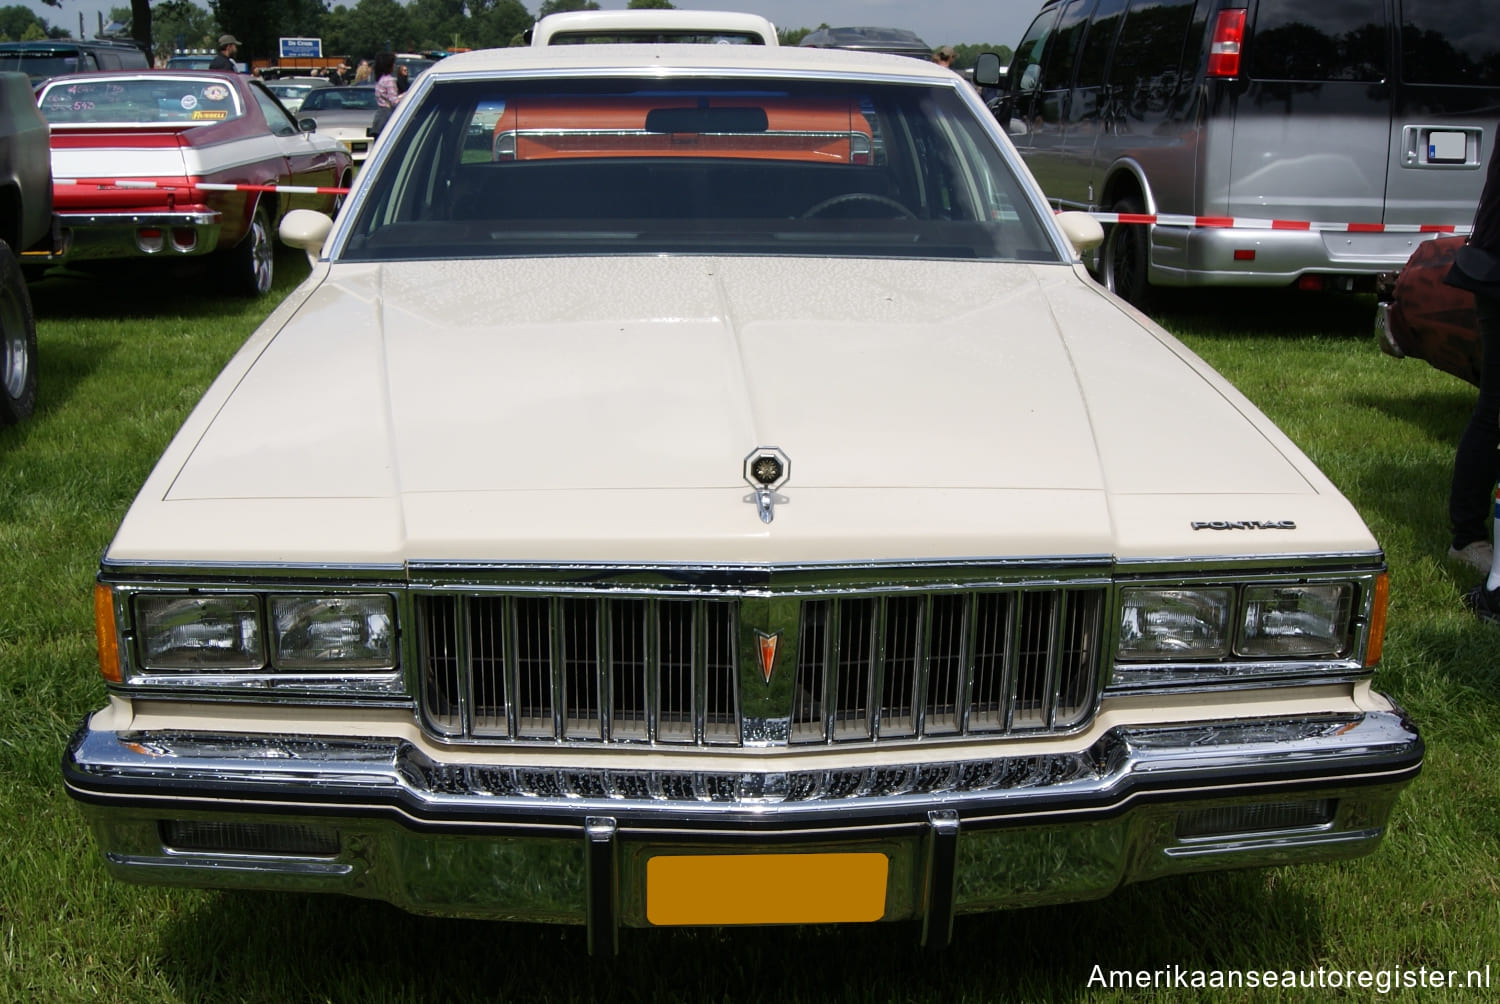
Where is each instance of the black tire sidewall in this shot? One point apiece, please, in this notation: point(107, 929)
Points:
point(1124, 260)
point(16, 310)
point(238, 265)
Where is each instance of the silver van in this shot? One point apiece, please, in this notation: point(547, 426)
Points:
point(1336, 112)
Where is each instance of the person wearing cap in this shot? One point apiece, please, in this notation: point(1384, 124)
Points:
point(943, 56)
point(228, 47)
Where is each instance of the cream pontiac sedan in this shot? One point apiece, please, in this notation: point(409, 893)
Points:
point(700, 485)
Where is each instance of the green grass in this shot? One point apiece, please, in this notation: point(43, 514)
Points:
point(121, 366)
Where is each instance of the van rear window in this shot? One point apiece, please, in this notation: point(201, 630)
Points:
point(1301, 41)
point(1447, 42)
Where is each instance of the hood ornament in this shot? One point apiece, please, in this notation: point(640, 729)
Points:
point(767, 468)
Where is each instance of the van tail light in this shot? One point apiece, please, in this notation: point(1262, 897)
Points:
point(1228, 38)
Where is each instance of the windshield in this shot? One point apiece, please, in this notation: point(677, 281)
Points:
point(139, 101)
point(792, 167)
point(323, 99)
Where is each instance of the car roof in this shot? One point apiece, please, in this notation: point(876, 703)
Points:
point(706, 21)
point(96, 76)
point(775, 60)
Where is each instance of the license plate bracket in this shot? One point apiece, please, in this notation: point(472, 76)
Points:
point(786, 888)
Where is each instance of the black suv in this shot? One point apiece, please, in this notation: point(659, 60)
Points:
point(42, 60)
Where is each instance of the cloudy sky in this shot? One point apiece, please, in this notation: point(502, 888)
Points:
point(937, 21)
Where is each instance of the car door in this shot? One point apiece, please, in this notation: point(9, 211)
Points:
point(1447, 104)
point(1047, 104)
point(305, 162)
point(1312, 121)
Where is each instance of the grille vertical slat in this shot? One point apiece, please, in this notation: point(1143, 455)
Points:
point(532, 626)
point(855, 663)
point(675, 720)
point(489, 710)
point(902, 670)
point(630, 716)
point(870, 667)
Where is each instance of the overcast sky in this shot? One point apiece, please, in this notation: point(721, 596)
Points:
point(939, 22)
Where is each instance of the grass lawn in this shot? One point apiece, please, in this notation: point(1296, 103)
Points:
point(120, 367)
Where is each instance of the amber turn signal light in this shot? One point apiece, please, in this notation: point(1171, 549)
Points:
point(1377, 619)
point(106, 632)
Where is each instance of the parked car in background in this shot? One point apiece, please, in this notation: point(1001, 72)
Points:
point(896, 41)
point(178, 129)
point(680, 542)
point(291, 91)
point(1368, 112)
point(344, 114)
point(44, 59)
point(25, 220)
point(416, 63)
point(705, 27)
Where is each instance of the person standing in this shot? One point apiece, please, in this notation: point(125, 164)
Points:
point(1476, 462)
point(229, 47)
point(387, 95)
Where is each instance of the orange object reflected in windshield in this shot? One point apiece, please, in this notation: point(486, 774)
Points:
point(826, 131)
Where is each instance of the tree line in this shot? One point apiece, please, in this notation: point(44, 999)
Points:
point(359, 29)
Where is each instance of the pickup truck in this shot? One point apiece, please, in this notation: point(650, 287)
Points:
point(25, 219)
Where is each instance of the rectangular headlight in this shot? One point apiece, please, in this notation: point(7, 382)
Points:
point(333, 633)
point(199, 633)
point(1174, 623)
point(1296, 621)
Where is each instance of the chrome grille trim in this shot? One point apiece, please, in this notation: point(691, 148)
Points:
point(578, 669)
point(611, 666)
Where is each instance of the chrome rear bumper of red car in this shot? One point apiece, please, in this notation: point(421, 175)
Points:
point(107, 236)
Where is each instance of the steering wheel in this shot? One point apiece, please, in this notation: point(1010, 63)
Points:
point(818, 208)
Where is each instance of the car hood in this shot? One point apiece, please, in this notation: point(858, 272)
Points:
point(602, 410)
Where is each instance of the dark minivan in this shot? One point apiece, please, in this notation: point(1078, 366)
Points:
point(1348, 112)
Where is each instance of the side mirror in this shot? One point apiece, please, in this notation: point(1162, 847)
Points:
point(988, 70)
point(306, 229)
point(307, 125)
point(1083, 231)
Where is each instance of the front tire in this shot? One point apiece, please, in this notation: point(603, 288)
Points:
point(17, 343)
point(1126, 256)
point(249, 266)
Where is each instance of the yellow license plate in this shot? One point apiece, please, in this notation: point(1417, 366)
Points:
point(713, 889)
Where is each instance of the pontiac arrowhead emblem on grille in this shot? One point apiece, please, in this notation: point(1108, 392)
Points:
point(767, 468)
point(765, 648)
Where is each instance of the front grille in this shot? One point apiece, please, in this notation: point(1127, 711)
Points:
point(683, 671)
point(946, 664)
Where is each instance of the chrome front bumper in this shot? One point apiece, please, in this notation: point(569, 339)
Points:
point(381, 819)
point(107, 236)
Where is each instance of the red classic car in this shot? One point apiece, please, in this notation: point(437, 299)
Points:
point(129, 151)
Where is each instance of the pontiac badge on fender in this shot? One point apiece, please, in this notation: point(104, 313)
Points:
point(767, 468)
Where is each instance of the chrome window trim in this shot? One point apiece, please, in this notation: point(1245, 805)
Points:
point(339, 236)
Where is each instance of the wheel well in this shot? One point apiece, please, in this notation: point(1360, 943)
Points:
point(10, 216)
point(1122, 184)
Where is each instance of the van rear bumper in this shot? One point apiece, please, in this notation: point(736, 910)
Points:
point(1206, 256)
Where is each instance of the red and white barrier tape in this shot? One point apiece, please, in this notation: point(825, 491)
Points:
point(204, 186)
point(1240, 223)
point(1164, 219)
